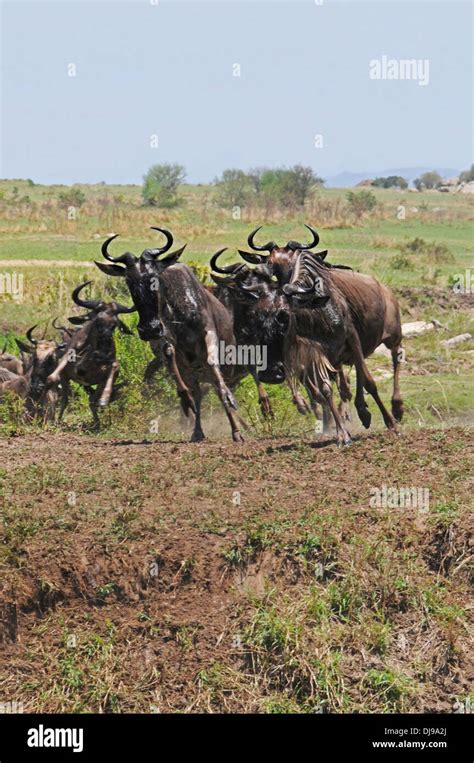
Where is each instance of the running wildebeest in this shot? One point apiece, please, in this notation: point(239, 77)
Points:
point(262, 315)
point(31, 384)
point(373, 309)
point(185, 322)
point(350, 315)
point(90, 358)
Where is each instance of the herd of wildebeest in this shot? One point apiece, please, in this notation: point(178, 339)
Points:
point(312, 319)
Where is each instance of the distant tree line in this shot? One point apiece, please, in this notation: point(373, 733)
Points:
point(286, 187)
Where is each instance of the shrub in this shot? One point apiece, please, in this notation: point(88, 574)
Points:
point(361, 202)
point(161, 185)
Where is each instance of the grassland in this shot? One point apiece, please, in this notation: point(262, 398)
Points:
point(141, 573)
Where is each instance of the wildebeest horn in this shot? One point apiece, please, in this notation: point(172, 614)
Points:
point(265, 248)
point(225, 269)
point(29, 335)
point(249, 290)
point(296, 244)
point(127, 258)
point(254, 259)
point(156, 251)
point(60, 328)
point(90, 304)
point(124, 309)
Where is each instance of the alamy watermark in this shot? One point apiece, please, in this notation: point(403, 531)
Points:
point(385, 68)
point(385, 497)
point(12, 284)
point(463, 283)
point(240, 355)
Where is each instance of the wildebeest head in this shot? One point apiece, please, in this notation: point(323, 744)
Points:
point(103, 314)
point(308, 286)
point(263, 311)
point(279, 259)
point(142, 275)
point(44, 358)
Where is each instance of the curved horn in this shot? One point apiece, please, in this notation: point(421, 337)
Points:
point(29, 335)
point(156, 251)
point(124, 309)
point(225, 269)
point(90, 304)
point(127, 258)
point(60, 328)
point(265, 248)
point(295, 245)
point(315, 240)
point(254, 259)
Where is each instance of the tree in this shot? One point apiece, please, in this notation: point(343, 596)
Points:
point(392, 181)
point(161, 183)
point(428, 180)
point(233, 188)
point(289, 187)
point(74, 197)
point(467, 176)
point(361, 202)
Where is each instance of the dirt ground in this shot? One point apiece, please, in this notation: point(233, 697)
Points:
point(157, 577)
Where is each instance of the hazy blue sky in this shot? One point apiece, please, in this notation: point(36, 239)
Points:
point(167, 69)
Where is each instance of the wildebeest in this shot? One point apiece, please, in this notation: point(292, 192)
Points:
point(44, 354)
point(261, 316)
point(11, 362)
point(373, 308)
point(90, 357)
point(349, 314)
point(183, 320)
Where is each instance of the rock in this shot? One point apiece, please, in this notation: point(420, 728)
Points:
point(455, 340)
point(382, 350)
point(416, 328)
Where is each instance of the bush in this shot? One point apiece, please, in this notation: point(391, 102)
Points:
point(72, 198)
point(161, 185)
point(467, 176)
point(361, 202)
point(428, 180)
point(392, 181)
point(289, 187)
point(233, 188)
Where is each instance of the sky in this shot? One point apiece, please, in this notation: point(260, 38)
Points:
point(214, 85)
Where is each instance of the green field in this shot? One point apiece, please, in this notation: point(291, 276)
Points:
point(54, 254)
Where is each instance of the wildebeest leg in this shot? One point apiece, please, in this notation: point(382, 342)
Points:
point(345, 393)
point(184, 393)
point(54, 377)
point(263, 399)
point(104, 392)
point(225, 395)
point(298, 399)
point(151, 369)
point(397, 402)
point(51, 398)
point(197, 434)
point(315, 397)
point(323, 387)
point(65, 389)
point(93, 394)
point(365, 379)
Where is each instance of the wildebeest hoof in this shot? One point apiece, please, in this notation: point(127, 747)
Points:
point(365, 416)
point(237, 437)
point(197, 437)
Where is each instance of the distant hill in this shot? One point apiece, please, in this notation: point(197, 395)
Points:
point(349, 179)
